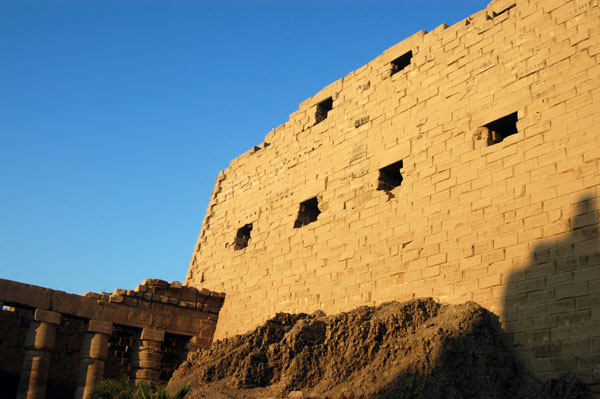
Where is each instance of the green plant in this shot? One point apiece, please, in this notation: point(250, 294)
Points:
point(143, 391)
point(162, 393)
point(124, 388)
point(121, 388)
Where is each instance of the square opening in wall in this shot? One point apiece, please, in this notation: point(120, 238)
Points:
point(401, 62)
point(323, 109)
point(390, 177)
point(308, 213)
point(495, 14)
point(242, 237)
point(501, 128)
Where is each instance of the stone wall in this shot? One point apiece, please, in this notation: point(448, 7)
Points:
point(461, 164)
point(59, 345)
point(64, 362)
point(14, 326)
point(173, 354)
point(120, 349)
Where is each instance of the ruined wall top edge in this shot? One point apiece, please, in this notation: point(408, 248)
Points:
point(475, 21)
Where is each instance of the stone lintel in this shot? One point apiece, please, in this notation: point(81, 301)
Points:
point(47, 316)
point(12, 292)
point(168, 317)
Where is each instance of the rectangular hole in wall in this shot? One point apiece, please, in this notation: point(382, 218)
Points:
point(495, 14)
point(174, 353)
point(390, 177)
point(120, 350)
point(401, 62)
point(501, 128)
point(242, 237)
point(323, 109)
point(308, 213)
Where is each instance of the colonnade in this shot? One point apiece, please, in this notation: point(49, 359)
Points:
point(40, 343)
point(149, 329)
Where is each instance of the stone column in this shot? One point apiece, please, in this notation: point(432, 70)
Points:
point(145, 362)
point(94, 352)
point(39, 345)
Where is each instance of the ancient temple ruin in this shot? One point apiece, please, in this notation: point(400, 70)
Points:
point(59, 345)
point(461, 164)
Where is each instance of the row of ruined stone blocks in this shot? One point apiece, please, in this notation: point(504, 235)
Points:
point(174, 293)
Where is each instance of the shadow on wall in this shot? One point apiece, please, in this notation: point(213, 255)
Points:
point(477, 364)
point(552, 317)
point(471, 363)
point(552, 307)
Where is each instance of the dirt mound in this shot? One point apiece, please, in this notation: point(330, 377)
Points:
point(416, 349)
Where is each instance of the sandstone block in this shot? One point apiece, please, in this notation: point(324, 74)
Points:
point(146, 374)
point(140, 288)
point(47, 316)
point(30, 295)
point(100, 326)
point(153, 335)
point(154, 282)
point(189, 293)
point(175, 284)
point(114, 312)
point(116, 299)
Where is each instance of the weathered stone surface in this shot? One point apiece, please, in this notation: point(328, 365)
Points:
point(46, 316)
point(140, 288)
point(154, 282)
point(81, 306)
point(100, 326)
point(91, 371)
point(133, 327)
point(34, 375)
point(116, 299)
point(146, 374)
point(25, 294)
point(153, 335)
point(115, 312)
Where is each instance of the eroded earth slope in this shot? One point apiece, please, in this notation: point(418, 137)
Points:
point(416, 349)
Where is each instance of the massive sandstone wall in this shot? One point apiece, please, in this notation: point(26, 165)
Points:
point(510, 224)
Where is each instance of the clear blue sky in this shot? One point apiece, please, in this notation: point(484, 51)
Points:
point(116, 116)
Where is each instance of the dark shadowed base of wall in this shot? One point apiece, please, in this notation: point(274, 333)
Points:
point(552, 307)
point(64, 362)
point(14, 324)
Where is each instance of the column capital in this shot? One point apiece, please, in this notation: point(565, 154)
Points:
point(47, 316)
point(100, 327)
point(149, 334)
